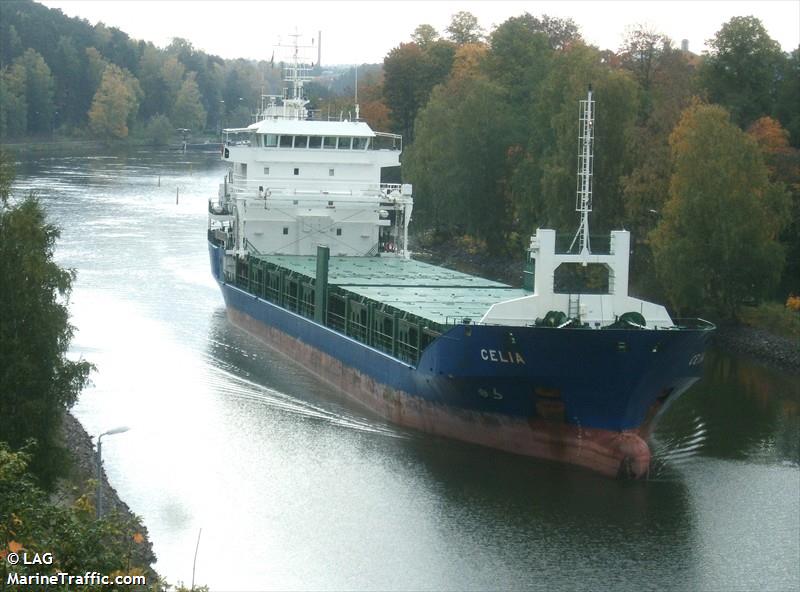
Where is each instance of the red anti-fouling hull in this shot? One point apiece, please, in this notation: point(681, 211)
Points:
point(611, 453)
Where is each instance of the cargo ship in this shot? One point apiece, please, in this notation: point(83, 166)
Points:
point(311, 252)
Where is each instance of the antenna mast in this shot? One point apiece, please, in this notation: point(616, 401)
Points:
point(583, 202)
point(357, 92)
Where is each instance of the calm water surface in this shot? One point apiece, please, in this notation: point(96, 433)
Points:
point(294, 488)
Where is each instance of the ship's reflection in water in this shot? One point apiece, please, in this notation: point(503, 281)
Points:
point(296, 488)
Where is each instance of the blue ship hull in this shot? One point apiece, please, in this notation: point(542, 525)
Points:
point(502, 386)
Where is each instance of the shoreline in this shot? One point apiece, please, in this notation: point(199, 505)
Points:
point(78, 442)
point(768, 349)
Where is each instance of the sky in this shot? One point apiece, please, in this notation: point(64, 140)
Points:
point(365, 31)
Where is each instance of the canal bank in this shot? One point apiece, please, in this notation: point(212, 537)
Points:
point(79, 482)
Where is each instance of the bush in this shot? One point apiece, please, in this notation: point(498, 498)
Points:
point(78, 542)
point(775, 317)
point(159, 130)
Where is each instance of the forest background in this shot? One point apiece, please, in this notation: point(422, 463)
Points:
point(697, 155)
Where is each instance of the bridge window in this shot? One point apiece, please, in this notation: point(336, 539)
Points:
point(271, 140)
point(330, 172)
point(360, 143)
point(266, 170)
point(315, 142)
point(301, 141)
point(338, 232)
point(286, 141)
point(285, 230)
point(344, 143)
point(297, 171)
point(330, 142)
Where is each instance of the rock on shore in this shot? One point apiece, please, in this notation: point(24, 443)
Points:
point(773, 350)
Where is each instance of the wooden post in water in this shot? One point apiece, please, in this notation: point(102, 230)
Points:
point(177, 190)
point(159, 180)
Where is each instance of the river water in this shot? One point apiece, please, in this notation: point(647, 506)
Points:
point(294, 488)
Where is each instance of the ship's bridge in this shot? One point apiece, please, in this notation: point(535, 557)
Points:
point(295, 183)
point(276, 154)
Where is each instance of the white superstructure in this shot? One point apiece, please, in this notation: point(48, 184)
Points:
point(296, 182)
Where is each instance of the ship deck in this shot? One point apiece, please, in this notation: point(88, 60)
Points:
point(441, 295)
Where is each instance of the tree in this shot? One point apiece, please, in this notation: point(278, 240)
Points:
point(543, 184)
point(788, 96)
point(159, 130)
point(716, 242)
point(152, 82)
point(95, 66)
point(37, 381)
point(78, 542)
point(188, 111)
point(458, 159)
point(640, 53)
point(115, 103)
point(39, 87)
point(424, 35)
point(173, 74)
point(464, 28)
point(68, 73)
point(520, 58)
point(742, 68)
point(468, 60)
point(402, 87)
point(783, 164)
point(670, 81)
point(559, 33)
point(13, 105)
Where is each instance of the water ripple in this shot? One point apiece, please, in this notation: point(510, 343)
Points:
point(230, 384)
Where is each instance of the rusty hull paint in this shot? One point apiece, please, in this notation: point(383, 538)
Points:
point(604, 451)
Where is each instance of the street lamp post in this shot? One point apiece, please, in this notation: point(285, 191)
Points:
point(99, 501)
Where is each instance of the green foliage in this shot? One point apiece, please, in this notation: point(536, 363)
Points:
point(543, 185)
point(13, 104)
point(788, 96)
point(26, 96)
point(78, 542)
point(410, 73)
point(520, 58)
point(115, 104)
point(716, 242)
point(775, 317)
point(188, 111)
point(424, 35)
point(37, 381)
point(159, 130)
point(38, 91)
point(464, 28)
point(458, 159)
point(741, 71)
